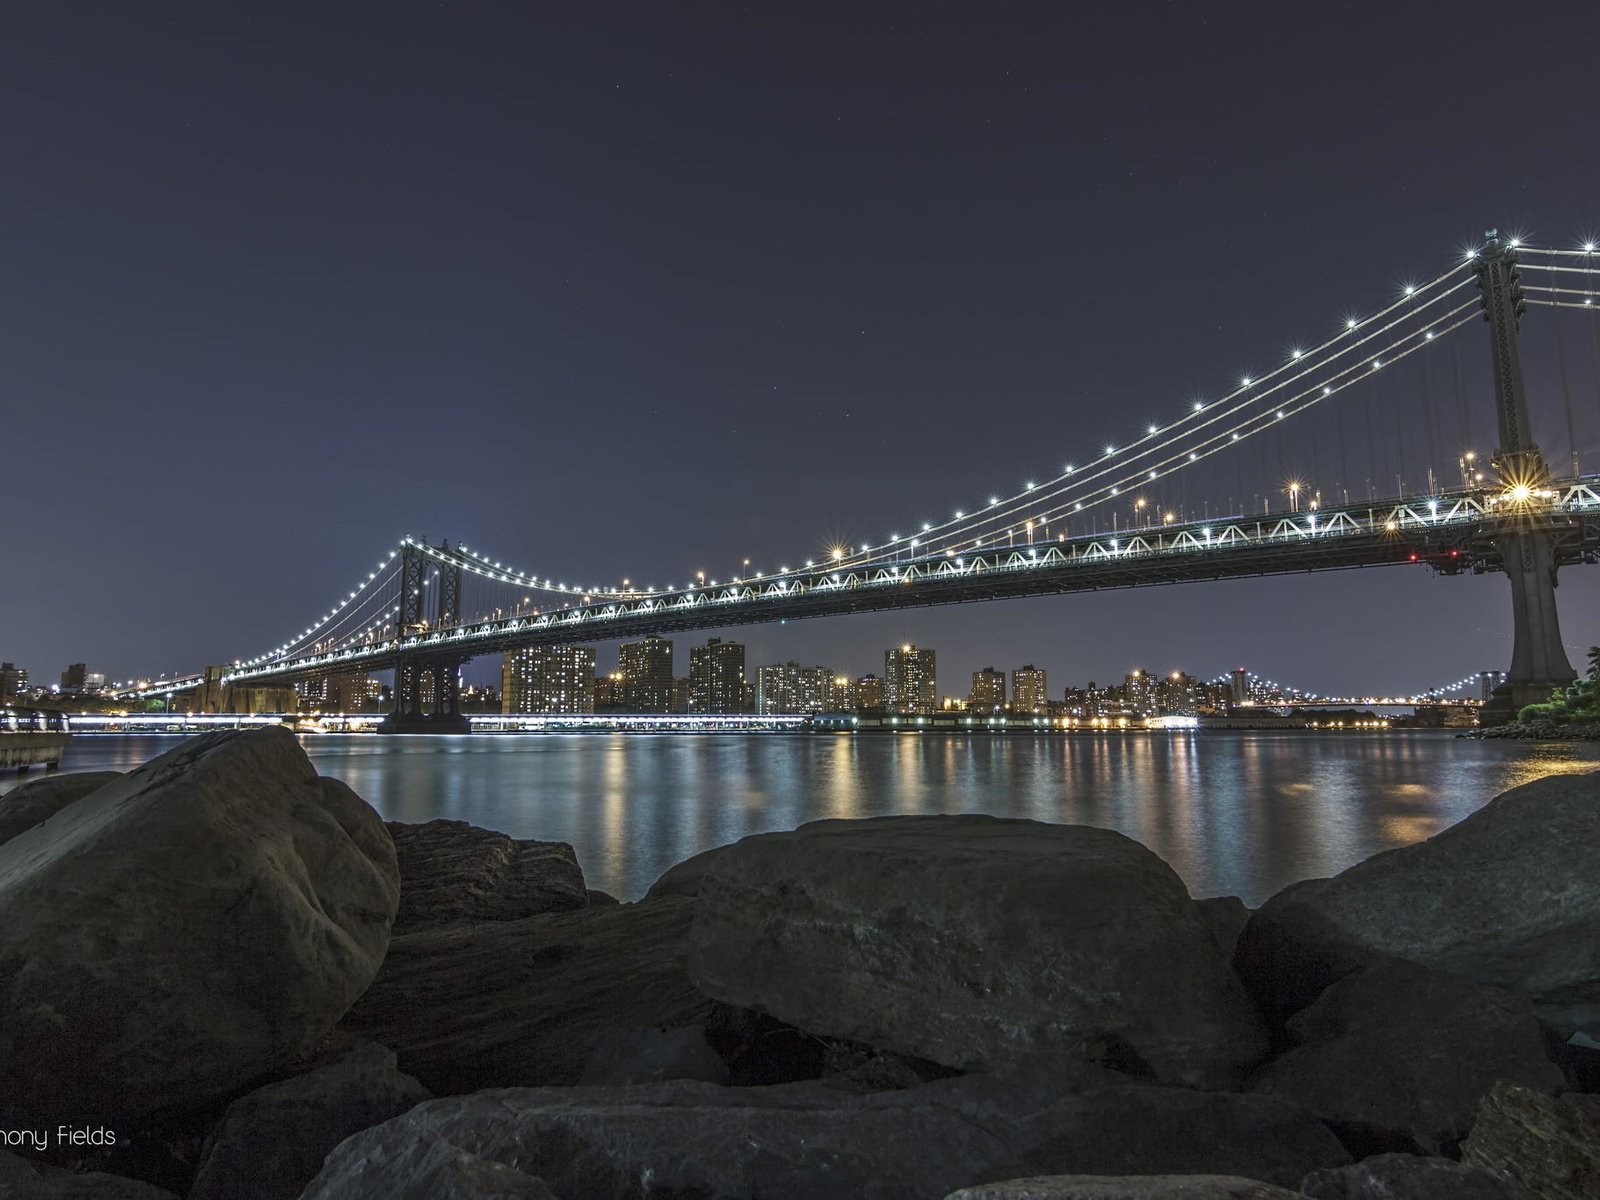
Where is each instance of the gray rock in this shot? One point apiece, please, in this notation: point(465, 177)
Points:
point(1547, 1145)
point(1225, 917)
point(271, 1142)
point(23, 1179)
point(628, 1056)
point(1406, 1177)
point(184, 930)
point(683, 879)
point(35, 802)
point(806, 1140)
point(507, 1003)
point(1397, 1056)
point(964, 939)
point(1126, 1187)
point(599, 899)
point(426, 1167)
point(1510, 896)
point(453, 871)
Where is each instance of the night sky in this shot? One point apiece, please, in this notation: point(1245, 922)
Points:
point(635, 290)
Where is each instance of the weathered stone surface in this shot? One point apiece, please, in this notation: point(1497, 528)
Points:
point(1397, 1056)
point(23, 1179)
point(807, 1141)
point(683, 879)
point(599, 899)
point(509, 1003)
point(963, 939)
point(1126, 1187)
point(423, 1167)
point(37, 801)
point(1547, 1145)
point(628, 1056)
point(184, 929)
point(271, 1142)
point(453, 871)
point(1225, 917)
point(1406, 1177)
point(1510, 895)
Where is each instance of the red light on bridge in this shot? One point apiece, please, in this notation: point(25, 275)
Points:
point(1413, 556)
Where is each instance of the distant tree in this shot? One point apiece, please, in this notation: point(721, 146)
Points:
point(1594, 663)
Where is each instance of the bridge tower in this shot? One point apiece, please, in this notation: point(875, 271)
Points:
point(1526, 540)
point(427, 687)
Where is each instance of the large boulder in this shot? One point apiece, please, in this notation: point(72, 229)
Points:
point(1397, 1056)
point(271, 1142)
point(184, 930)
point(963, 939)
point(37, 801)
point(807, 1141)
point(426, 1167)
point(1549, 1146)
point(628, 1056)
point(507, 1003)
point(1406, 1177)
point(453, 871)
point(1126, 1187)
point(23, 1179)
point(1510, 896)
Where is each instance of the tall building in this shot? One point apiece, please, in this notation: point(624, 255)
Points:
point(790, 688)
point(988, 694)
point(1030, 696)
point(1139, 693)
point(910, 683)
point(1240, 679)
point(548, 679)
point(1179, 694)
point(869, 694)
point(74, 678)
point(646, 670)
point(716, 677)
point(841, 694)
point(608, 696)
point(354, 692)
point(13, 682)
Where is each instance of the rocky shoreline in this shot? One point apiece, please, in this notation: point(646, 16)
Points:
point(1544, 731)
point(226, 978)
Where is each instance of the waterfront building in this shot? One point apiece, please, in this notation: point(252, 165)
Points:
point(1139, 694)
point(74, 679)
point(1030, 691)
point(13, 682)
point(1178, 694)
point(608, 693)
point(988, 694)
point(841, 694)
point(646, 669)
point(355, 692)
point(682, 696)
point(790, 688)
point(311, 695)
point(548, 679)
point(868, 694)
point(1239, 682)
point(716, 677)
point(910, 680)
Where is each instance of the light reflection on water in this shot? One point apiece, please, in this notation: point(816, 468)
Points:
point(1234, 813)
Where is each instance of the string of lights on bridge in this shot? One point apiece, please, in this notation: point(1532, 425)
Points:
point(1291, 694)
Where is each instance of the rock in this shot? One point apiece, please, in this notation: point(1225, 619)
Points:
point(505, 1003)
point(1406, 1177)
point(271, 1142)
point(1225, 917)
point(1126, 1187)
point(1397, 1056)
point(963, 939)
point(184, 930)
point(806, 1140)
point(1547, 1145)
point(24, 807)
point(626, 1056)
point(599, 899)
point(684, 879)
point(426, 1167)
point(1509, 896)
point(23, 1179)
point(453, 871)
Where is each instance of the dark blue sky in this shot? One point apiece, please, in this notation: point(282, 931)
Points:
point(631, 290)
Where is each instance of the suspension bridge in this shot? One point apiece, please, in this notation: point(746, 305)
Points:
point(1130, 515)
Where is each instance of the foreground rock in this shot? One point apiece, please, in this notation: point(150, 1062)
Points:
point(453, 871)
point(36, 802)
point(967, 938)
point(1397, 1056)
point(1406, 1177)
point(808, 1141)
point(270, 1143)
point(427, 1167)
point(187, 928)
point(21, 1179)
point(1510, 896)
point(1126, 1187)
point(511, 1003)
point(1547, 1145)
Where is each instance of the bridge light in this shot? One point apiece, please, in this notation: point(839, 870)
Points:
point(1110, 450)
point(1199, 405)
point(993, 500)
point(959, 514)
point(1588, 247)
point(1296, 353)
point(1029, 486)
point(1234, 438)
point(1245, 381)
point(1152, 430)
point(1350, 323)
point(1410, 290)
point(1280, 414)
point(1193, 456)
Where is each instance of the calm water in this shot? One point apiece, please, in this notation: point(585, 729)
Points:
point(1235, 813)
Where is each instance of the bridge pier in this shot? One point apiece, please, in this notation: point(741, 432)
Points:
point(427, 696)
point(1539, 663)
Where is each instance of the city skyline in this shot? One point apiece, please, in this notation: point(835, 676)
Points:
point(922, 255)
